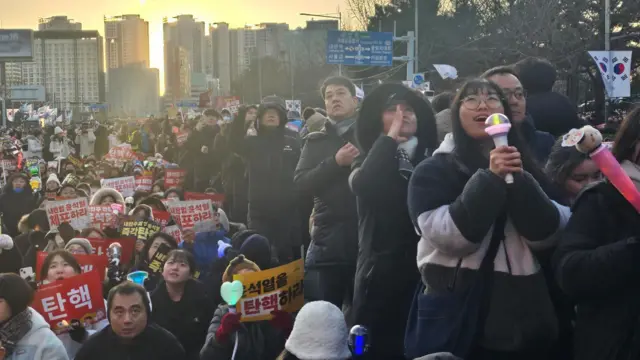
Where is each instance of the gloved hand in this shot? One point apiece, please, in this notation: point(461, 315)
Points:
point(113, 273)
point(77, 331)
point(282, 321)
point(229, 324)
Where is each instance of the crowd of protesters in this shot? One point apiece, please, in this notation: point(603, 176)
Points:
point(399, 207)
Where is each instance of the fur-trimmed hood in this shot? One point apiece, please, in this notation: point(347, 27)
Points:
point(368, 127)
point(97, 197)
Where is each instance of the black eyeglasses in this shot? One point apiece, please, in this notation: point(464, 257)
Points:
point(518, 94)
point(473, 102)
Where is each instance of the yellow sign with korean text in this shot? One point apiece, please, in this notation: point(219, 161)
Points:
point(281, 288)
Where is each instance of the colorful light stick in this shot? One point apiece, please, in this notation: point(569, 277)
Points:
point(231, 293)
point(498, 127)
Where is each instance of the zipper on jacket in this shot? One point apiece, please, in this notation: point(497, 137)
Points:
point(506, 255)
point(452, 284)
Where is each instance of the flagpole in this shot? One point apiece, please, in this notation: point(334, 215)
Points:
point(607, 47)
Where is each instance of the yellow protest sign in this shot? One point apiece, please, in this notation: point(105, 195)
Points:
point(281, 288)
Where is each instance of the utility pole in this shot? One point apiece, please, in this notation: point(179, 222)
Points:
point(411, 53)
point(3, 95)
point(417, 30)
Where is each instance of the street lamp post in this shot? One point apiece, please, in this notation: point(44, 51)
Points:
point(336, 16)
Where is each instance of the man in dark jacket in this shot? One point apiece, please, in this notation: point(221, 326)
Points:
point(130, 334)
point(322, 173)
point(396, 129)
point(551, 112)
point(271, 154)
point(540, 142)
point(199, 159)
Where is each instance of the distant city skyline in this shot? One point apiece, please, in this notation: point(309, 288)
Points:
point(237, 13)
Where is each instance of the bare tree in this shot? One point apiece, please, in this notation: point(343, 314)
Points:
point(362, 10)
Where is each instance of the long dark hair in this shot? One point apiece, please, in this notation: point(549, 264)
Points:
point(627, 137)
point(468, 150)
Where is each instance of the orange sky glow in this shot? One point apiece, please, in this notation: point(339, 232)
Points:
point(236, 12)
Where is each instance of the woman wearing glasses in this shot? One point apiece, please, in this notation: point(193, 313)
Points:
point(455, 199)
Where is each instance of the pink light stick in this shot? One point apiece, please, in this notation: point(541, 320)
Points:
point(589, 141)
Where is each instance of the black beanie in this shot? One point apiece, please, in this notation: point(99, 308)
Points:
point(16, 292)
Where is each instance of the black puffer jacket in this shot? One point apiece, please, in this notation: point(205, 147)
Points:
point(187, 319)
point(153, 343)
point(335, 217)
point(596, 263)
point(13, 205)
point(271, 157)
point(387, 238)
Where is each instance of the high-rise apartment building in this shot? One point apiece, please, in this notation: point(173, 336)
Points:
point(184, 53)
point(67, 61)
point(220, 45)
point(126, 41)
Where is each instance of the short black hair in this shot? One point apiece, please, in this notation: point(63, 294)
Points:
point(338, 80)
point(185, 257)
point(16, 292)
point(127, 288)
point(500, 70)
point(212, 112)
point(537, 75)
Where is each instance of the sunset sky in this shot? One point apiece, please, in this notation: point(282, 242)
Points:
point(236, 12)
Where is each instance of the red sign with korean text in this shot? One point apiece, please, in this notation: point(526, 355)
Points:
point(144, 183)
point(73, 211)
point(187, 213)
point(174, 230)
point(182, 137)
point(128, 244)
point(87, 263)
point(121, 152)
point(125, 185)
point(102, 216)
point(76, 298)
point(216, 199)
point(174, 178)
point(161, 217)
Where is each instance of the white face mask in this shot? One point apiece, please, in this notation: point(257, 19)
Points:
point(227, 118)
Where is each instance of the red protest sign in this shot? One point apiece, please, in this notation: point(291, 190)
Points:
point(125, 185)
point(102, 216)
point(74, 211)
point(174, 231)
point(188, 213)
point(128, 244)
point(87, 263)
point(161, 217)
point(174, 178)
point(182, 137)
point(120, 153)
point(216, 199)
point(76, 298)
point(144, 182)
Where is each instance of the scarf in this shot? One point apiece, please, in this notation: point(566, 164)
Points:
point(404, 154)
point(343, 126)
point(633, 170)
point(15, 329)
